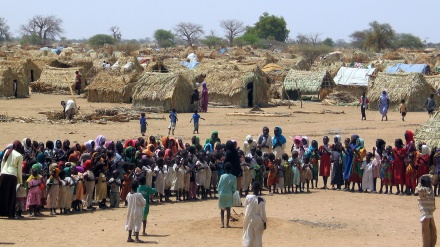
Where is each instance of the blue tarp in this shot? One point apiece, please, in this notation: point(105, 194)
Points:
point(222, 50)
point(190, 65)
point(409, 68)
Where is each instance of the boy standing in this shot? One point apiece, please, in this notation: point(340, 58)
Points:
point(143, 123)
point(146, 192)
point(403, 109)
point(135, 206)
point(427, 207)
point(173, 120)
point(196, 118)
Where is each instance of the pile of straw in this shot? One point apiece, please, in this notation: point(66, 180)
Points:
point(339, 98)
point(429, 132)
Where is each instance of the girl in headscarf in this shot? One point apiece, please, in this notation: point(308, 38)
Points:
point(99, 142)
point(304, 147)
point(27, 145)
point(53, 184)
point(278, 142)
point(386, 170)
point(264, 142)
point(313, 155)
point(204, 99)
point(89, 183)
point(49, 152)
point(349, 152)
point(384, 104)
point(356, 172)
point(377, 162)
point(101, 185)
point(399, 154)
point(337, 171)
point(326, 162)
point(423, 162)
point(296, 146)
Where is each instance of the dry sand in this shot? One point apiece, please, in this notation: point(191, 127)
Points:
point(321, 218)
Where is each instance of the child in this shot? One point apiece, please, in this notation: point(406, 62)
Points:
point(173, 121)
point(115, 184)
point(326, 162)
point(135, 206)
point(427, 207)
point(196, 118)
point(367, 176)
point(101, 185)
point(254, 222)
point(143, 123)
point(259, 172)
point(280, 175)
point(34, 196)
point(146, 191)
point(403, 109)
point(288, 174)
point(226, 188)
point(296, 164)
point(160, 178)
point(410, 175)
point(21, 200)
point(62, 192)
point(386, 170)
point(201, 175)
point(337, 171)
point(272, 178)
point(53, 189)
point(307, 172)
point(313, 154)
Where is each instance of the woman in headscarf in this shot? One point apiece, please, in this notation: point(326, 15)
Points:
point(278, 142)
point(27, 145)
point(128, 143)
point(11, 175)
point(248, 143)
point(204, 99)
point(99, 142)
point(399, 154)
point(349, 152)
point(264, 142)
point(423, 161)
point(231, 155)
point(356, 172)
point(195, 141)
point(384, 105)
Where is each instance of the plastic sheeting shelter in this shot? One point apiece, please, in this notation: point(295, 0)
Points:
point(353, 76)
point(409, 68)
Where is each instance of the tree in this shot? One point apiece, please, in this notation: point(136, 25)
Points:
point(5, 34)
point(358, 38)
point(32, 39)
point(45, 27)
point(328, 42)
point(232, 29)
point(407, 40)
point(212, 40)
point(189, 32)
point(250, 38)
point(312, 52)
point(164, 38)
point(99, 40)
point(116, 33)
point(312, 38)
point(270, 27)
point(377, 37)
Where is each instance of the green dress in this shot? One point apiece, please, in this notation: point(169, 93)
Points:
point(288, 174)
point(226, 188)
point(146, 191)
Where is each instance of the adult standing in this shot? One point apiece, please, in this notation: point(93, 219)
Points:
point(250, 142)
point(226, 188)
point(9, 178)
point(231, 156)
point(384, 105)
point(254, 222)
point(264, 142)
point(363, 102)
point(278, 142)
point(430, 104)
point(204, 98)
point(78, 82)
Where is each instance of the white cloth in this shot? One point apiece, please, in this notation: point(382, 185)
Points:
point(247, 147)
point(367, 177)
point(169, 176)
point(201, 174)
point(135, 207)
point(179, 178)
point(70, 104)
point(253, 223)
point(160, 181)
point(13, 165)
point(279, 151)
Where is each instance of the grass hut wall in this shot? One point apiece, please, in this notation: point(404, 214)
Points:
point(429, 132)
point(434, 81)
point(306, 83)
point(412, 87)
point(8, 85)
point(24, 71)
point(55, 78)
point(164, 90)
point(111, 86)
point(242, 85)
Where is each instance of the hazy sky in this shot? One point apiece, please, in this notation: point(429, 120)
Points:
point(336, 19)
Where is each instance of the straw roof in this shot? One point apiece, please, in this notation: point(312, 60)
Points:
point(227, 82)
point(165, 90)
point(59, 78)
point(434, 81)
point(411, 87)
point(309, 82)
point(7, 78)
point(429, 132)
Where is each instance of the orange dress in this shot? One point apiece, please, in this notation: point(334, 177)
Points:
point(272, 178)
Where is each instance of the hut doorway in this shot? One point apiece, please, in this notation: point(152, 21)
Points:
point(15, 88)
point(250, 94)
point(292, 94)
point(32, 75)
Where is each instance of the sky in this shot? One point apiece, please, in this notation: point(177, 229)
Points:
point(138, 19)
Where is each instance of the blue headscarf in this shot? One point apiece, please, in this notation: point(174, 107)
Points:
point(279, 138)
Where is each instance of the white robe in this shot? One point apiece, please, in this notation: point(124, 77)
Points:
point(135, 207)
point(201, 174)
point(179, 178)
point(367, 177)
point(253, 223)
point(169, 176)
point(160, 181)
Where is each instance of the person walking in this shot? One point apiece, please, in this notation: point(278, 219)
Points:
point(363, 102)
point(430, 104)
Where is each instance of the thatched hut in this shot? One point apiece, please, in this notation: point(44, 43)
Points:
point(299, 82)
point(59, 79)
point(164, 90)
point(111, 86)
point(412, 87)
point(25, 69)
point(236, 84)
point(429, 132)
point(434, 81)
point(9, 83)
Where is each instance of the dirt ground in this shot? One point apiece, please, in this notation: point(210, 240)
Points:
point(321, 218)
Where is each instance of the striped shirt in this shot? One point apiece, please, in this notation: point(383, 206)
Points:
point(426, 202)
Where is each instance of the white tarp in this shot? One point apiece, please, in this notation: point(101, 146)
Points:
point(353, 76)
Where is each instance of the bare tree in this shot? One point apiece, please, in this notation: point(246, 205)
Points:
point(116, 33)
point(189, 32)
point(5, 34)
point(45, 27)
point(312, 38)
point(232, 29)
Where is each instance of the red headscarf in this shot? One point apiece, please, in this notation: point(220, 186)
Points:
point(87, 165)
point(17, 146)
point(168, 153)
point(127, 143)
point(409, 137)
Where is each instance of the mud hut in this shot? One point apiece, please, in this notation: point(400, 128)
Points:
point(299, 83)
point(236, 84)
point(164, 90)
point(429, 132)
point(111, 86)
point(9, 84)
point(25, 69)
point(411, 87)
point(59, 79)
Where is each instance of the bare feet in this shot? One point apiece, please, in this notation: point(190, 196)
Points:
point(130, 240)
point(144, 234)
point(138, 241)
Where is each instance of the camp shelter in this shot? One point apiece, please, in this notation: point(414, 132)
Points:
point(24, 72)
point(409, 68)
point(354, 80)
point(166, 91)
point(411, 87)
point(236, 84)
point(298, 82)
point(429, 132)
point(9, 83)
point(59, 79)
point(434, 81)
point(112, 86)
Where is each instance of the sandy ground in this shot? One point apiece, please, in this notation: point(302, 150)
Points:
point(322, 218)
